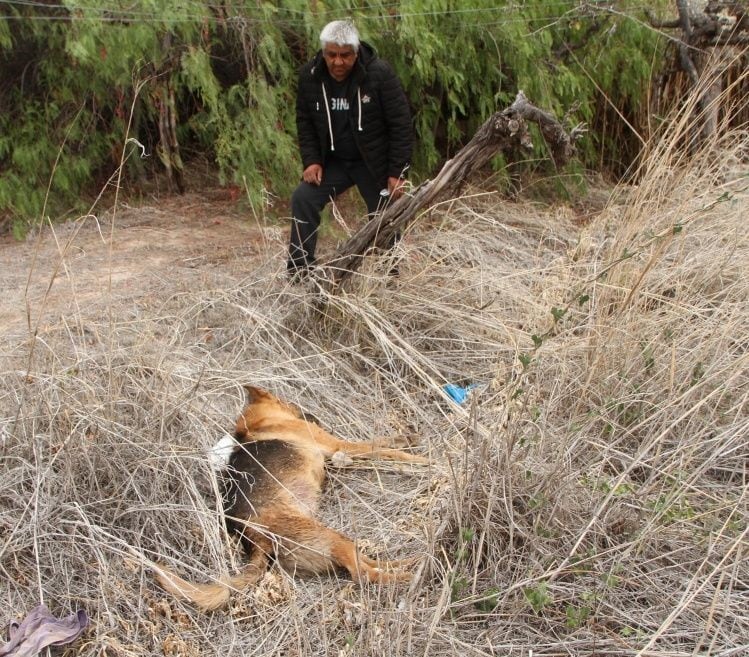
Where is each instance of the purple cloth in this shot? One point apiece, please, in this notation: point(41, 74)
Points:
point(41, 629)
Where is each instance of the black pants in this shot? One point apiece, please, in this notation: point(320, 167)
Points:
point(308, 200)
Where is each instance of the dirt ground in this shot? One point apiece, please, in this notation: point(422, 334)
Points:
point(119, 257)
point(108, 260)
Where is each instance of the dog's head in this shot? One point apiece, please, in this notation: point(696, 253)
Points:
point(263, 408)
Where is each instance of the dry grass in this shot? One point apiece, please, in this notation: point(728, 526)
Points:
point(590, 499)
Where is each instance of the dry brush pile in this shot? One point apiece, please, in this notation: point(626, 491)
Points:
point(588, 498)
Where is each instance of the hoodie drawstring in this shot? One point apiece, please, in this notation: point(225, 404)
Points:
point(330, 121)
point(358, 93)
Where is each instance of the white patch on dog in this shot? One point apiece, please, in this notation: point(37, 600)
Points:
point(220, 453)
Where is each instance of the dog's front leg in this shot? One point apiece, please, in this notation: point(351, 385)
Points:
point(376, 449)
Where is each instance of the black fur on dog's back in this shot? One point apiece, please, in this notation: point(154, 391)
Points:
point(250, 483)
point(252, 476)
point(264, 474)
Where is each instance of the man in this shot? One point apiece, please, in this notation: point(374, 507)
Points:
point(354, 128)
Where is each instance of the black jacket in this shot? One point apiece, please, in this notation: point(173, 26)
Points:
point(379, 115)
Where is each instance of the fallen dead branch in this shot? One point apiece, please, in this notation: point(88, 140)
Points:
point(503, 130)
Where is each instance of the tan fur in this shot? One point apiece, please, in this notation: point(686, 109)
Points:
point(274, 515)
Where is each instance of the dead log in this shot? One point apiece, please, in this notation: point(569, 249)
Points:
point(503, 130)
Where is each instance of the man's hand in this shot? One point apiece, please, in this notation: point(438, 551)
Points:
point(313, 174)
point(396, 187)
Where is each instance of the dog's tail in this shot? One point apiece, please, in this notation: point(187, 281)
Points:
point(212, 595)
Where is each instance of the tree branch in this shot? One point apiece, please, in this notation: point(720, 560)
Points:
point(503, 130)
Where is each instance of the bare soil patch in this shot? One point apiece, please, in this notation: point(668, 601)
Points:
point(105, 263)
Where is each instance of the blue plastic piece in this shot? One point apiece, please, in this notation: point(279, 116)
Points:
point(458, 393)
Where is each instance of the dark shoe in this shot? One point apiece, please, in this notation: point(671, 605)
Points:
point(297, 275)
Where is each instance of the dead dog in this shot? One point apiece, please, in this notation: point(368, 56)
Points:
point(274, 483)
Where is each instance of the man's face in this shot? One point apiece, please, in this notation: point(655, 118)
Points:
point(339, 59)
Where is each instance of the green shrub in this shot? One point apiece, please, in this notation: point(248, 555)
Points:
point(75, 70)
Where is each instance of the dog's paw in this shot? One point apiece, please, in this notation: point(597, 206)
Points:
point(341, 460)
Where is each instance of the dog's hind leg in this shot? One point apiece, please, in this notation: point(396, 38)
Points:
point(361, 567)
point(390, 564)
point(306, 544)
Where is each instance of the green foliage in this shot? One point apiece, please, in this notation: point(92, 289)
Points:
point(459, 582)
point(488, 601)
point(537, 596)
point(558, 314)
point(74, 70)
point(458, 585)
point(577, 616)
point(673, 507)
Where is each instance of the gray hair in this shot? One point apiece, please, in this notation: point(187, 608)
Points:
point(342, 33)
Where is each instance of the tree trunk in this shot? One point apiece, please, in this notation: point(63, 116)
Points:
point(705, 54)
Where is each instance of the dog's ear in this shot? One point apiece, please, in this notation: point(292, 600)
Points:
point(255, 394)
